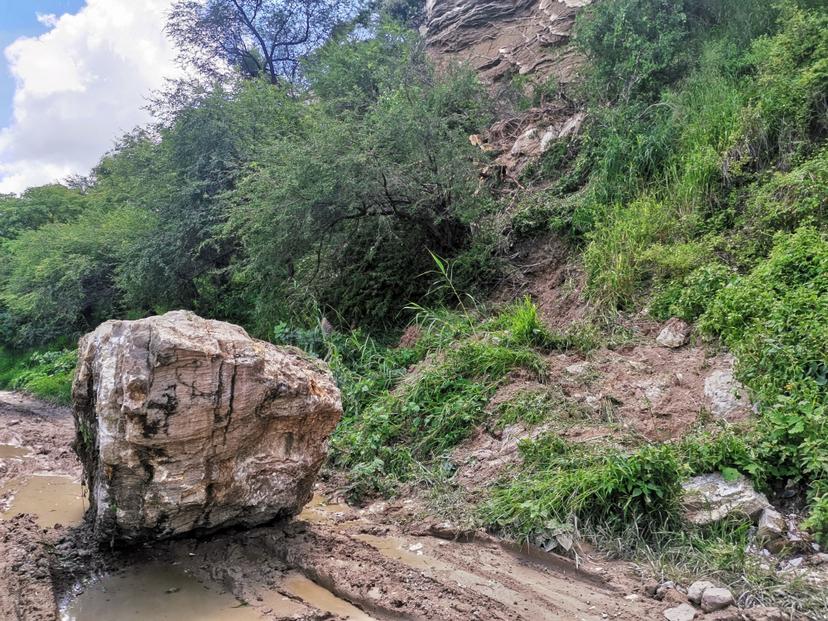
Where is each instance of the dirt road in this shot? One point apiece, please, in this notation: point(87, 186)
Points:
point(332, 562)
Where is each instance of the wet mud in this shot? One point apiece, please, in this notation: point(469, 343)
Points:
point(331, 562)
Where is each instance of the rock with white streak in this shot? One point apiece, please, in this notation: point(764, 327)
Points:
point(710, 498)
point(185, 424)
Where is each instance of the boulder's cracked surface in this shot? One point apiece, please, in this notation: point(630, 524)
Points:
point(188, 424)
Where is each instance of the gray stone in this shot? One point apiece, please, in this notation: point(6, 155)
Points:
point(697, 589)
point(684, 612)
point(771, 529)
point(725, 396)
point(186, 424)
point(716, 598)
point(709, 498)
point(820, 558)
point(675, 333)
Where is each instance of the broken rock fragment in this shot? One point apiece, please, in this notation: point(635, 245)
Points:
point(710, 498)
point(188, 424)
point(675, 333)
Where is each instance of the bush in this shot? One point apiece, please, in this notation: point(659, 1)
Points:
point(47, 375)
point(775, 319)
point(689, 298)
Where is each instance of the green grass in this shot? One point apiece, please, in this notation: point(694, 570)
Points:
point(46, 375)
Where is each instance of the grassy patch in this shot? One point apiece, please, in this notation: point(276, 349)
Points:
point(47, 375)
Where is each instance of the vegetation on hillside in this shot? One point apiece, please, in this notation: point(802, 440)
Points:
point(327, 186)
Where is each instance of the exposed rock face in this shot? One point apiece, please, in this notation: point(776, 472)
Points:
point(710, 498)
point(499, 38)
point(187, 424)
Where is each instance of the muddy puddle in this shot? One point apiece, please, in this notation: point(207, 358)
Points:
point(322, 511)
point(10, 451)
point(319, 597)
point(157, 592)
point(53, 499)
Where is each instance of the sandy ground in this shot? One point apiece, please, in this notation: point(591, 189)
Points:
point(332, 562)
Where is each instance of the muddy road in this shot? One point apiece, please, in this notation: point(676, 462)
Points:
point(331, 562)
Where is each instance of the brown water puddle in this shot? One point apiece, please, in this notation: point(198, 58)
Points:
point(10, 451)
point(158, 593)
point(399, 550)
point(320, 511)
point(53, 499)
point(319, 597)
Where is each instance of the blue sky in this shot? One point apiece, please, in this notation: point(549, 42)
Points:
point(81, 80)
point(19, 18)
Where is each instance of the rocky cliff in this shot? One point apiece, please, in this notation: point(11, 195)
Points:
point(501, 38)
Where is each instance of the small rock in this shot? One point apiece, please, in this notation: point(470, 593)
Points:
point(771, 529)
point(697, 589)
point(710, 498)
point(818, 559)
point(663, 589)
point(685, 612)
point(716, 598)
point(675, 333)
point(579, 368)
point(793, 563)
point(764, 613)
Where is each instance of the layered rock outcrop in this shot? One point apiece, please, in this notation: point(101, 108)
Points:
point(499, 38)
point(188, 424)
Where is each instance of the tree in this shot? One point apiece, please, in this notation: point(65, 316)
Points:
point(255, 37)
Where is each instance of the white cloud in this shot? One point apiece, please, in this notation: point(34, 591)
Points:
point(80, 86)
point(49, 20)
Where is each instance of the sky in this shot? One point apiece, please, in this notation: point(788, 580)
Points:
point(74, 76)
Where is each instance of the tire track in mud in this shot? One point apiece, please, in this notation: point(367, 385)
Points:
point(268, 567)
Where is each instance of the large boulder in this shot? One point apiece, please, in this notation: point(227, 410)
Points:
point(187, 424)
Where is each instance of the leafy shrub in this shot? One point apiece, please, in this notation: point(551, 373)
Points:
point(689, 298)
point(634, 47)
point(775, 320)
